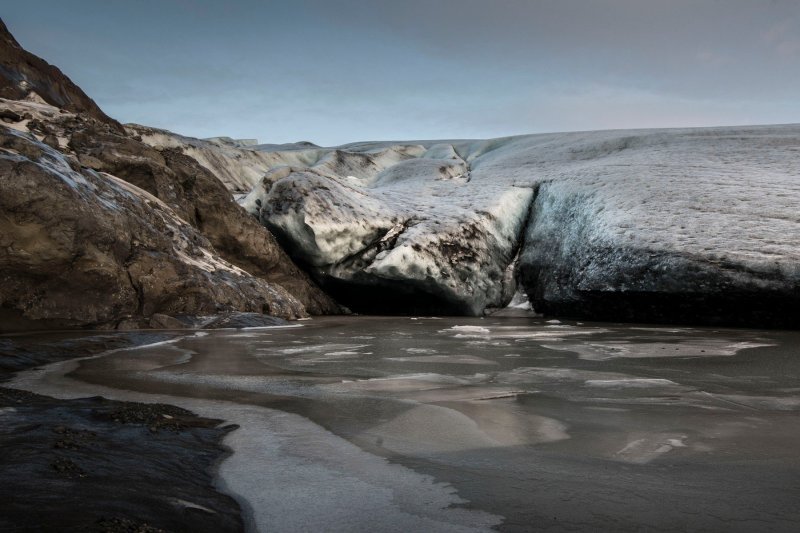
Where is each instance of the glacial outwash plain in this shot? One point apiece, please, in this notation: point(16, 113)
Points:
point(584, 331)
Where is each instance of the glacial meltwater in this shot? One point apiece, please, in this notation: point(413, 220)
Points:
point(468, 424)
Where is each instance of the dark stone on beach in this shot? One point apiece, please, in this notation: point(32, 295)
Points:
point(100, 465)
point(153, 415)
point(125, 525)
point(96, 465)
point(18, 352)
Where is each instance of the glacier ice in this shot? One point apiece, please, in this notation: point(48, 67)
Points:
point(654, 225)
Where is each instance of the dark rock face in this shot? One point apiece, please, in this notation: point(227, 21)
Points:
point(22, 73)
point(81, 248)
point(199, 198)
point(94, 248)
point(238, 237)
point(569, 272)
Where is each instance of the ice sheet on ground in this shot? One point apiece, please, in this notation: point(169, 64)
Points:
point(407, 382)
point(431, 429)
point(649, 447)
point(445, 359)
point(603, 350)
point(329, 480)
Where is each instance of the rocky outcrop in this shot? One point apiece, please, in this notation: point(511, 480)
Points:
point(83, 248)
point(201, 199)
point(41, 105)
point(24, 75)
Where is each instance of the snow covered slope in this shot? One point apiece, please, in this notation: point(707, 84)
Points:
point(668, 225)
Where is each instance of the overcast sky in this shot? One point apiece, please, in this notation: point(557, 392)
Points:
point(332, 71)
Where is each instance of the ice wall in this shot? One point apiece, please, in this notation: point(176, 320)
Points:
point(695, 225)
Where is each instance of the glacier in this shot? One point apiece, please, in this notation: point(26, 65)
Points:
point(670, 225)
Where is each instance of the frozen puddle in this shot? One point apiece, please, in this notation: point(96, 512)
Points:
point(461, 424)
point(598, 351)
point(645, 449)
point(406, 382)
point(318, 481)
point(640, 383)
point(444, 359)
point(552, 332)
point(289, 474)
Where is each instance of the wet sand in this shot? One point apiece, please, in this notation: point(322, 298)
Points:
point(393, 424)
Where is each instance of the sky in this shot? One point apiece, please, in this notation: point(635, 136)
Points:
point(332, 72)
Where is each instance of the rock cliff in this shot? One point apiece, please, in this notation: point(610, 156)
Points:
point(102, 230)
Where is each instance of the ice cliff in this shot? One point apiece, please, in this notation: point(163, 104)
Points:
point(686, 225)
